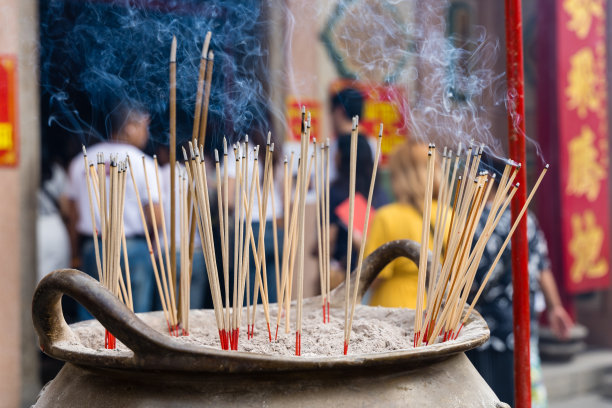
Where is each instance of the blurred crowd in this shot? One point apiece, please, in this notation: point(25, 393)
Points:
point(65, 232)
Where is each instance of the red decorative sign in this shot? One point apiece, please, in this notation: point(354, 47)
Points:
point(294, 116)
point(583, 143)
point(8, 111)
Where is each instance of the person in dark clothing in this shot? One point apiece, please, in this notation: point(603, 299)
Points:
point(494, 360)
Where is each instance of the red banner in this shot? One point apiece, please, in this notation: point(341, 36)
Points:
point(8, 111)
point(583, 143)
point(294, 116)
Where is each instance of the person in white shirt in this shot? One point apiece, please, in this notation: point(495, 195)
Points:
point(129, 132)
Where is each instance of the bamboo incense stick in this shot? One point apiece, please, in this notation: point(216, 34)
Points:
point(365, 234)
point(149, 245)
point(204, 117)
point(172, 142)
point(200, 90)
point(262, 199)
point(318, 215)
point(167, 251)
point(303, 159)
point(286, 241)
point(237, 226)
point(274, 229)
point(224, 254)
point(163, 275)
point(290, 245)
point(324, 231)
point(102, 212)
point(353, 166)
point(327, 224)
point(126, 261)
point(94, 229)
point(194, 140)
point(226, 233)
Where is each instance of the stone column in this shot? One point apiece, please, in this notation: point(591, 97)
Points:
point(18, 185)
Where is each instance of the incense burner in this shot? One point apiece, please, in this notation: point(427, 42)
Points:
point(159, 370)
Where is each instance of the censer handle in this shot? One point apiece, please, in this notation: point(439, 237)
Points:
point(51, 327)
point(375, 262)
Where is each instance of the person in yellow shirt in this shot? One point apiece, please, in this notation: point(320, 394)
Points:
point(396, 285)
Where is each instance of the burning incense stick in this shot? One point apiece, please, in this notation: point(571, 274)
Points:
point(109, 262)
point(222, 232)
point(365, 233)
point(262, 200)
point(226, 232)
point(505, 244)
point(200, 90)
point(94, 229)
point(448, 289)
point(353, 168)
point(272, 189)
point(320, 254)
point(302, 201)
point(172, 142)
point(149, 245)
point(204, 117)
point(162, 269)
point(167, 252)
point(286, 242)
point(327, 224)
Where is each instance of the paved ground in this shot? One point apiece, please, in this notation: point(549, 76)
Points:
point(583, 401)
point(576, 383)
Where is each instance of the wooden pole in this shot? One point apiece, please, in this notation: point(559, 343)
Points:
point(520, 253)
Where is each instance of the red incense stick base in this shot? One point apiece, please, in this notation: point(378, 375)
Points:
point(298, 343)
point(110, 342)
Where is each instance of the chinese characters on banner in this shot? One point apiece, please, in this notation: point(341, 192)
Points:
point(583, 141)
point(8, 111)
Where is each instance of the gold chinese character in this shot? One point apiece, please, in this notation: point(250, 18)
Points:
point(583, 83)
point(6, 136)
point(585, 247)
point(585, 171)
point(581, 14)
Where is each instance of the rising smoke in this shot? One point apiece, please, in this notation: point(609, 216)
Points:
point(96, 53)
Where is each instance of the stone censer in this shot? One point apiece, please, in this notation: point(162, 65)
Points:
point(159, 370)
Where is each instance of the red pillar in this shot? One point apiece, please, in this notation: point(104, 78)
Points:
point(516, 135)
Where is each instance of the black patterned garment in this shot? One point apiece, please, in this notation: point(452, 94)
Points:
point(495, 303)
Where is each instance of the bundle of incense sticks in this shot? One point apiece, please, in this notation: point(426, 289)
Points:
point(450, 277)
point(247, 191)
point(294, 242)
point(162, 265)
point(110, 206)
